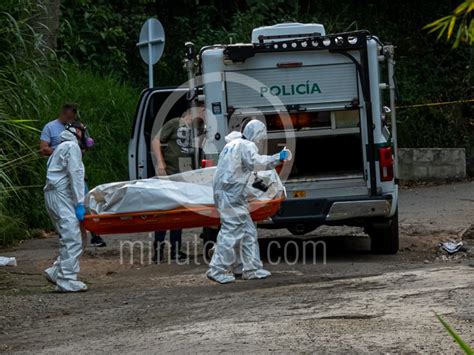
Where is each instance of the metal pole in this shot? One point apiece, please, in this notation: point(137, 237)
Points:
point(393, 114)
point(190, 54)
point(150, 64)
point(190, 69)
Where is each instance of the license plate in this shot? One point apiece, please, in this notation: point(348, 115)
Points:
point(298, 194)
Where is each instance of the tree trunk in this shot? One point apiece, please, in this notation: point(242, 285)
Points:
point(47, 21)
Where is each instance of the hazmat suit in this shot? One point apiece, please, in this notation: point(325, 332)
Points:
point(238, 160)
point(64, 198)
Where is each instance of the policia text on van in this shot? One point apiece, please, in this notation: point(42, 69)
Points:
point(293, 89)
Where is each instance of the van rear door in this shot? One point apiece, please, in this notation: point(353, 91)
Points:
point(155, 107)
point(326, 128)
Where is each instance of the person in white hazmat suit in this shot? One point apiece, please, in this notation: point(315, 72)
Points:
point(64, 198)
point(237, 161)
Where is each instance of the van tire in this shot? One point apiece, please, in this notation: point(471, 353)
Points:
point(384, 236)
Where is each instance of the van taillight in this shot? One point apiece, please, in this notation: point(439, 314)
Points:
point(207, 163)
point(386, 164)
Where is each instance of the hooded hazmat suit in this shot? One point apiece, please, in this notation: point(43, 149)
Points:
point(238, 160)
point(63, 191)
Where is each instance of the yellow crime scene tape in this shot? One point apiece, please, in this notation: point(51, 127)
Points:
point(436, 103)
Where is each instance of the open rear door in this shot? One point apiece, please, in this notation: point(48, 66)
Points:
point(133, 144)
point(153, 110)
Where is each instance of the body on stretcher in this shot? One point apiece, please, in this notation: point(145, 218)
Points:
point(174, 202)
point(179, 218)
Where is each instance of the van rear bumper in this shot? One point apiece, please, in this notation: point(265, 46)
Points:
point(332, 210)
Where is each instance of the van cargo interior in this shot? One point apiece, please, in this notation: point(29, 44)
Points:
point(335, 155)
point(328, 144)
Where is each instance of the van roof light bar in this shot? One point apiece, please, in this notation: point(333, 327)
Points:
point(262, 38)
point(345, 41)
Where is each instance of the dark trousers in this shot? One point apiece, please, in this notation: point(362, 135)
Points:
point(175, 241)
point(86, 190)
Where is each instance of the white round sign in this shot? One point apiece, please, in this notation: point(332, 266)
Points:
point(151, 42)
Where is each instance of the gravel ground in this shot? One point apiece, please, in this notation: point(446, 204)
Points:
point(354, 302)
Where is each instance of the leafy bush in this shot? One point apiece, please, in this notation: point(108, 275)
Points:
point(101, 35)
point(462, 17)
point(34, 86)
point(106, 107)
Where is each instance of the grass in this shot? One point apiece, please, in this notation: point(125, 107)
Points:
point(22, 61)
point(106, 106)
point(462, 344)
point(33, 86)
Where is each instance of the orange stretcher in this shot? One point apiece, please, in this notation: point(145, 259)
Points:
point(179, 218)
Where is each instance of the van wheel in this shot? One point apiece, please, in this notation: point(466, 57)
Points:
point(384, 236)
point(301, 229)
point(209, 238)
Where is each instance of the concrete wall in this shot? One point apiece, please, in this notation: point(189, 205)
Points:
point(431, 163)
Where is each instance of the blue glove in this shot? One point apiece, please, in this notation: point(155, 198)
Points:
point(283, 155)
point(80, 212)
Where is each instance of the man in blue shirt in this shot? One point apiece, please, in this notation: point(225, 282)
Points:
point(50, 139)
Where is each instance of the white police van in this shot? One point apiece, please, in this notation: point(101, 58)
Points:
point(320, 95)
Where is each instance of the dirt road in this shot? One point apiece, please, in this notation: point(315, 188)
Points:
point(355, 302)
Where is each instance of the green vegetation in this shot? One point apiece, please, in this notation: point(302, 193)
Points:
point(34, 84)
point(21, 63)
point(96, 64)
point(460, 18)
point(107, 107)
point(462, 344)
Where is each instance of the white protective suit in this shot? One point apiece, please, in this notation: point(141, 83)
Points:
point(63, 191)
point(238, 160)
